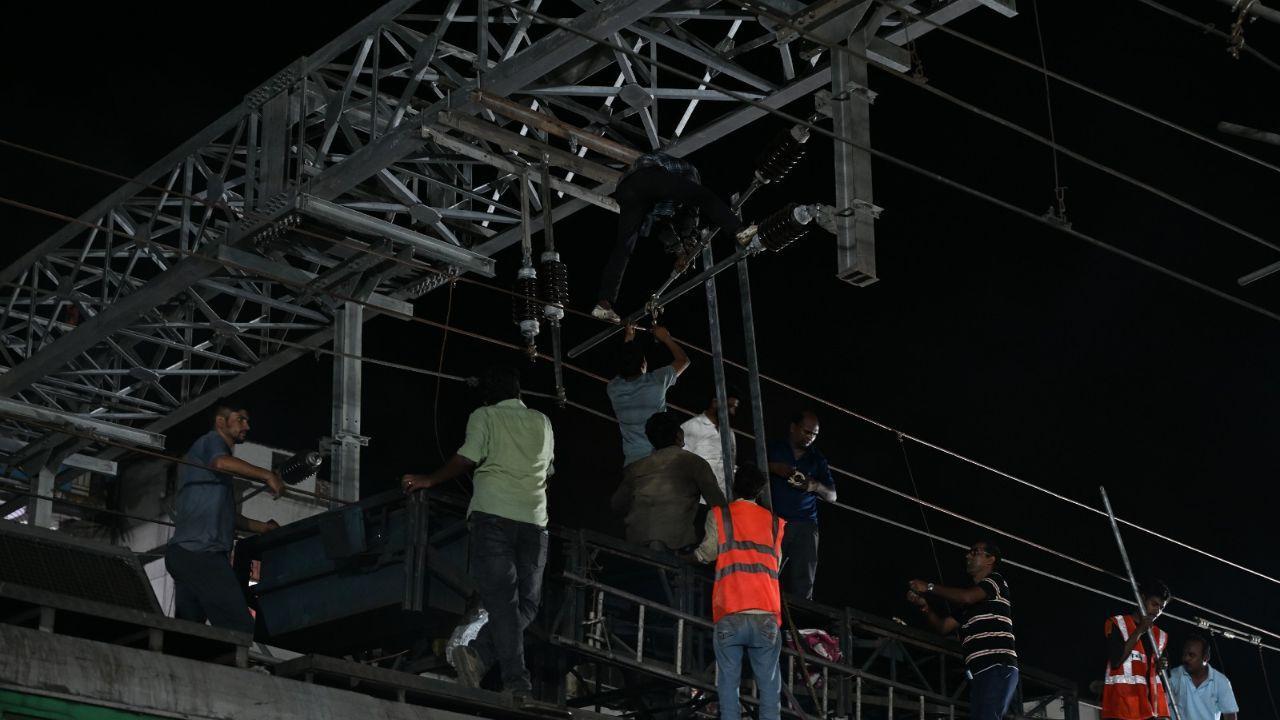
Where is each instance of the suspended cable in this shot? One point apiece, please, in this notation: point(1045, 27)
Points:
point(1089, 90)
point(1059, 192)
point(924, 518)
point(1001, 203)
point(780, 383)
point(1057, 148)
point(600, 378)
point(1210, 29)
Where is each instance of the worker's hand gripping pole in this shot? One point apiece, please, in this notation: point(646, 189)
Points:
point(1137, 595)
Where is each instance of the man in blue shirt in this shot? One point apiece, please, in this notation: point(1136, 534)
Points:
point(649, 190)
point(799, 475)
point(205, 520)
point(637, 394)
point(1202, 692)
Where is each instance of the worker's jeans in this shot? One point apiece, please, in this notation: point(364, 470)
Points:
point(636, 196)
point(991, 691)
point(205, 588)
point(507, 559)
point(799, 558)
point(755, 635)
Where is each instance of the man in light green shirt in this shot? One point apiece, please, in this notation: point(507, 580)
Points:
point(509, 449)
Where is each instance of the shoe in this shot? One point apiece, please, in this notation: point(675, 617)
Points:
point(466, 662)
point(600, 312)
point(746, 235)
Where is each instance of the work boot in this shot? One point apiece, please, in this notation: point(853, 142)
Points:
point(466, 662)
point(746, 235)
point(606, 313)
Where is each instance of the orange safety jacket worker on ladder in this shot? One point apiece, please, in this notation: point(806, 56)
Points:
point(1132, 687)
point(745, 540)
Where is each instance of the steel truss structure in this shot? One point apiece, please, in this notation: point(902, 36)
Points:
point(366, 174)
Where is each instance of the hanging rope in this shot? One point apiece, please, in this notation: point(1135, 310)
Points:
point(1059, 191)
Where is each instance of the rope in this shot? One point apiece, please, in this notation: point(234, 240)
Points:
point(1059, 192)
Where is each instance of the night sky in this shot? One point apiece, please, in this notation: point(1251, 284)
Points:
point(988, 334)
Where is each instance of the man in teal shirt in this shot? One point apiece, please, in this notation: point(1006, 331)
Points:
point(1202, 692)
point(637, 394)
point(508, 449)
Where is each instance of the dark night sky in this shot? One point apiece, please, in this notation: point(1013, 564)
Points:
point(987, 333)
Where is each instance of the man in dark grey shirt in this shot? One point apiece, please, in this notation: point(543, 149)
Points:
point(206, 518)
point(659, 494)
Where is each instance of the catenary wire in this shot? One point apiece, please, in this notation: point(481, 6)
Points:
point(778, 382)
point(1092, 91)
point(602, 379)
point(962, 188)
point(1210, 29)
point(1058, 189)
point(1055, 146)
point(363, 248)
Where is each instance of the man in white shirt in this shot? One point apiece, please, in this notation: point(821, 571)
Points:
point(702, 434)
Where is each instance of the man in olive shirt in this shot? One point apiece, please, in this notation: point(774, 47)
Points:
point(509, 449)
point(659, 494)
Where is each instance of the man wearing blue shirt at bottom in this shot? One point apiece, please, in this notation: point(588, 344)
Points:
point(1202, 692)
point(205, 521)
point(799, 475)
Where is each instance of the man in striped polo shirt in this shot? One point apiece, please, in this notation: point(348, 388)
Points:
point(985, 625)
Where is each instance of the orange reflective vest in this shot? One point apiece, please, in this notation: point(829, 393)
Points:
point(750, 552)
point(1133, 691)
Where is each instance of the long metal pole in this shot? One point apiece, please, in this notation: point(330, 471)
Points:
point(717, 366)
point(1137, 595)
point(753, 377)
point(1252, 7)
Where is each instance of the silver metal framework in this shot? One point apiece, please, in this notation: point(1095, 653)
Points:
point(373, 170)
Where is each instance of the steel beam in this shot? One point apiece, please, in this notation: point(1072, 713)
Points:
point(851, 118)
point(116, 317)
point(355, 221)
point(344, 473)
point(529, 147)
point(21, 411)
point(559, 128)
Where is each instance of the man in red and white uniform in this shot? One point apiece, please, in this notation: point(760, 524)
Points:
point(1132, 687)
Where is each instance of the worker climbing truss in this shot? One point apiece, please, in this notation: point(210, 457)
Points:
point(376, 168)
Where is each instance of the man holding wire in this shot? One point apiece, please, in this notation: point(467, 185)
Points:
point(985, 626)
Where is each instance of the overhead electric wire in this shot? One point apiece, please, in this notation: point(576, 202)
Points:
point(1057, 147)
point(955, 185)
point(780, 383)
point(1058, 190)
point(939, 178)
point(602, 379)
point(1212, 30)
point(1089, 90)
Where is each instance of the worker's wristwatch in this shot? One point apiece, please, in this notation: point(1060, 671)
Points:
point(928, 588)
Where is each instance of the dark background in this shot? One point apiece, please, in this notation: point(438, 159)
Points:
point(987, 334)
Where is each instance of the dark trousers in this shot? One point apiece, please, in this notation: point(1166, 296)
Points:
point(799, 558)
point(636, 195)
point(507, 559)
point(991, 691)
point(205, 588)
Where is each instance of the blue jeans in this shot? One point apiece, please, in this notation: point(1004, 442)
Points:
point(756, 636)
point(991, 691)
point(507, 559)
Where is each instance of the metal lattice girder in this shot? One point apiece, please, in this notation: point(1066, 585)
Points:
point(185, 284)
